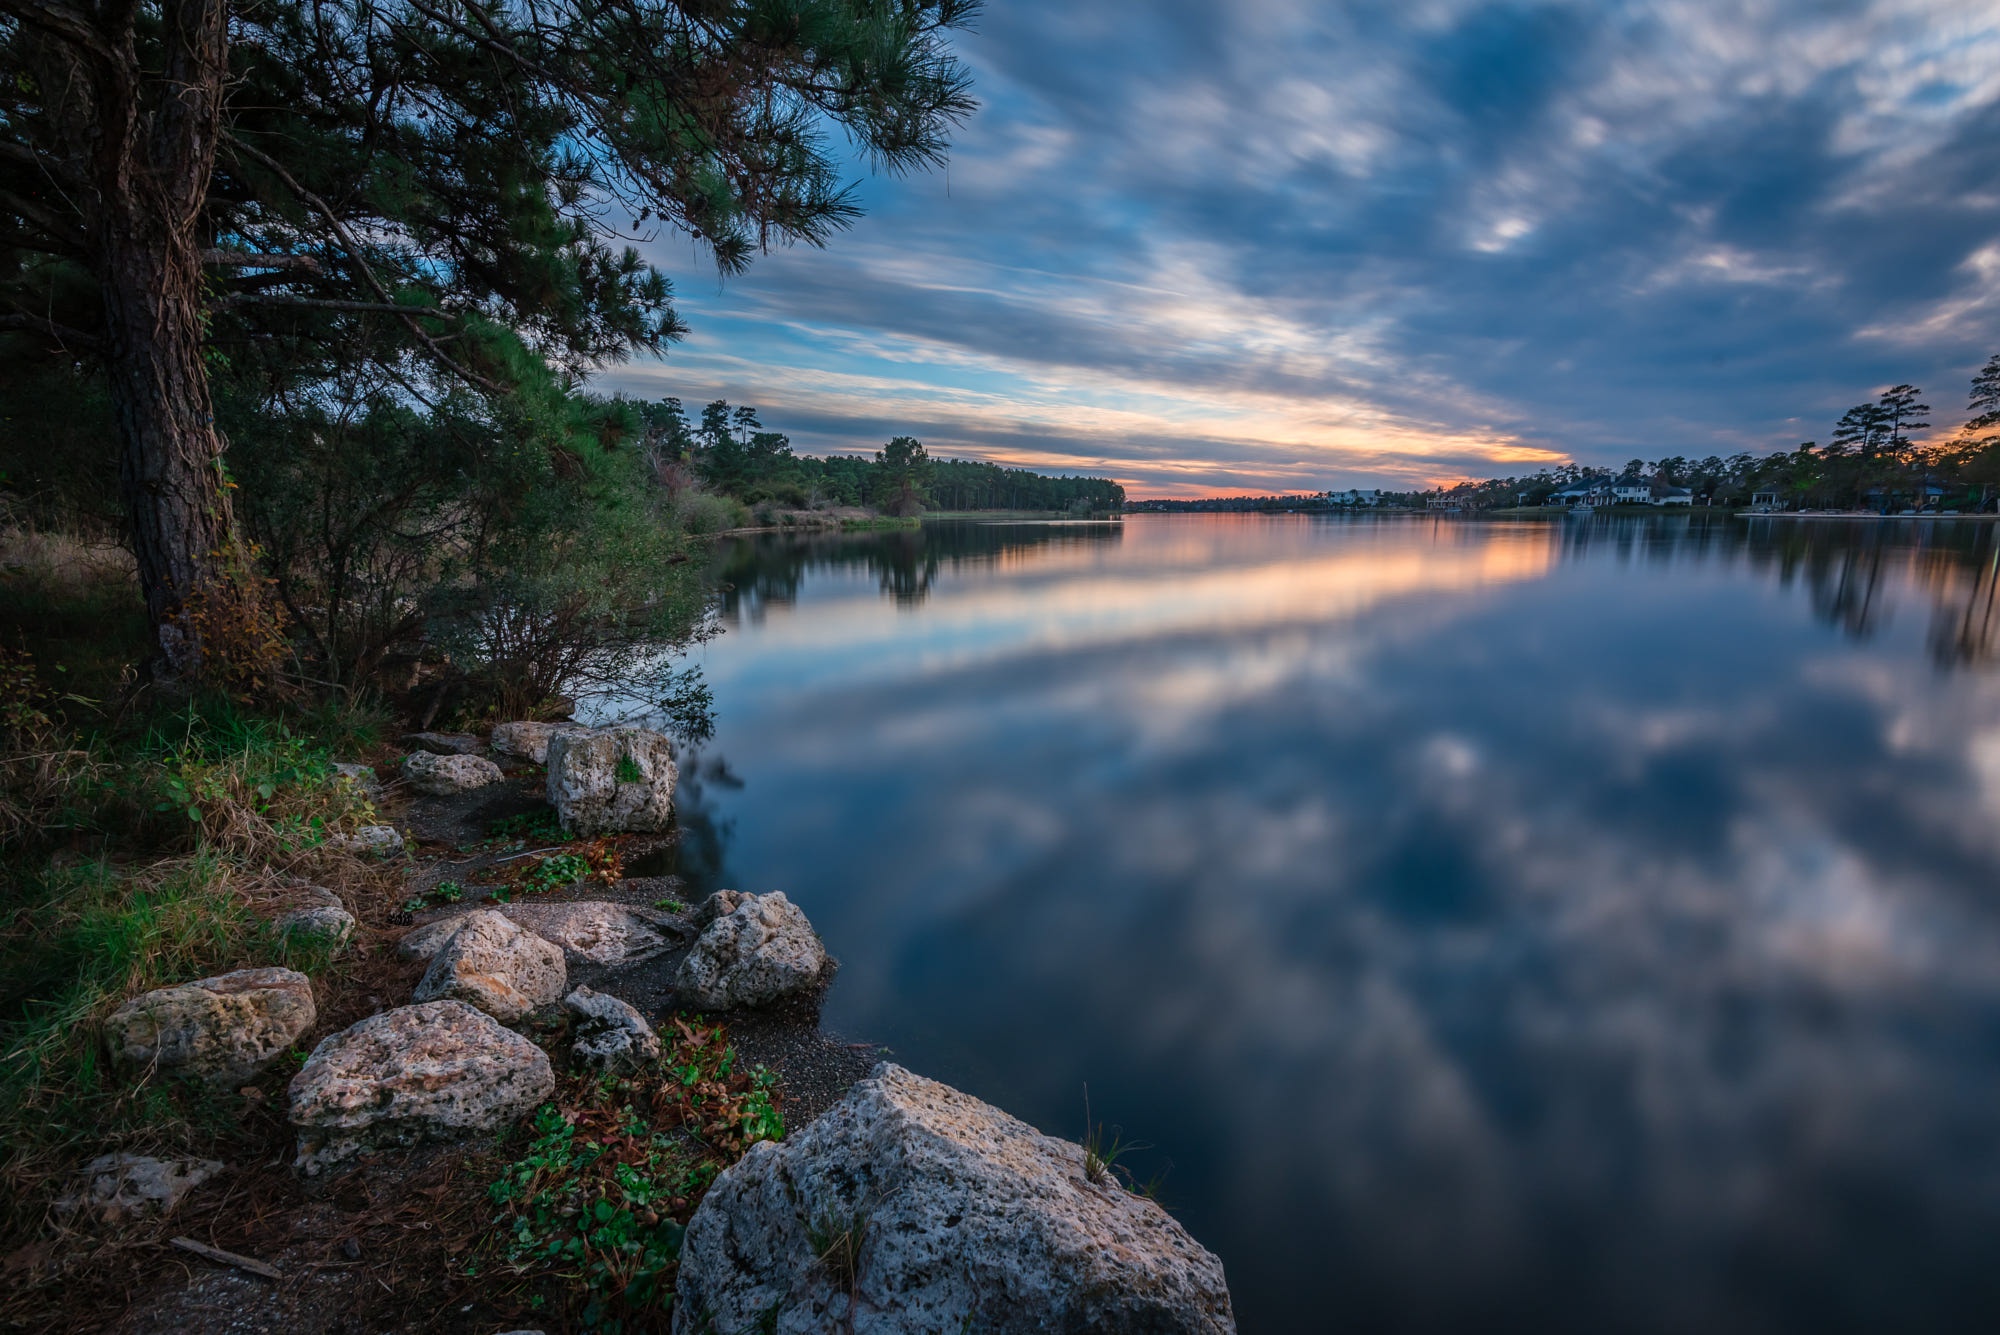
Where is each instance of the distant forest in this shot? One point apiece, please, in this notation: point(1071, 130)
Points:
point(728, 452)
point(1873, 460)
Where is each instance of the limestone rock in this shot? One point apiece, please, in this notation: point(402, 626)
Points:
point(911, 1206)
point(443, 743)
point(380, 840)
point(612, 780)
point(610, 1035)
point(495, 965)
point(593, 931)
point(421, 943)
point(441, 776)
point(118, 1186)
point(530, 741)
point(361, 776)
point(720, 904)
point(328, 924)
point(436, 1071)
point(590, 931)
point(223, 1029)
point(760, 952)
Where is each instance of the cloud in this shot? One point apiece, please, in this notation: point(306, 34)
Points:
point(1285, 245)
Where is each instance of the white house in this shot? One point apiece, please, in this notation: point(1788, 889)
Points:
point(1666, 495)
point(1628, 491)
point(1354, 496)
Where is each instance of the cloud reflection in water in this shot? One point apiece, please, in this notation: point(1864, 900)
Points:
point(1578, 923)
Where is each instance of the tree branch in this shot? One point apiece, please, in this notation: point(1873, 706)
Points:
point(66, 24)
point(322, 303)
point(62, 333)
point(243, 259)
point(360, 259)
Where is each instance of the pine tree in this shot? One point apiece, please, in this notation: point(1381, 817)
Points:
point(1901, 416)
point(1985, 398)
point(1861, 431)
point(436, 185)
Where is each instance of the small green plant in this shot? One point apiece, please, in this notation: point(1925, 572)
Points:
point(628, 770)
point(836, 1244)
point(602, 1193)
point(593, 1200)
point(444, 892)
point(553, 873)
point(1100, 1160)
point(541, 827)
point(671, 905)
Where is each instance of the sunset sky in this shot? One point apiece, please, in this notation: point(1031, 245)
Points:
point(1278, 246)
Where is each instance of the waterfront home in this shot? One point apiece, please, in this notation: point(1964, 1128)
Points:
point(1666, 495)
point(1582, 493)
point(1354, 496)
point(1631, 491)
point(1766, 501)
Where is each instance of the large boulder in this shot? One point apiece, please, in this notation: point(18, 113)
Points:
point(612, 780)
point(120, 1186)
point(436, 1071)
point(441, 776)
point(493, 964)
point(530, 741)
point(223, 1030)
point(910, 1206)
point(610, 1034)
point(758, 953)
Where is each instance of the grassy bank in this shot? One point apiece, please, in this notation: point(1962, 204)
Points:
point(146, 850)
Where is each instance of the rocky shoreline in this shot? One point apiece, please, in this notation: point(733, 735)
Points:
point(890, 1203)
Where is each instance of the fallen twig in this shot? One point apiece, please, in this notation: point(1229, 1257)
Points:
point(209, 1253)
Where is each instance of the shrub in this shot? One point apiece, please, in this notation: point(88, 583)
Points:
point(703, 513)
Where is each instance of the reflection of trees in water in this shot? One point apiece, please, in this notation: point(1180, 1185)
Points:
point(1965, 628)
point(1850, 569)
point(700, 850)
point(768, 569)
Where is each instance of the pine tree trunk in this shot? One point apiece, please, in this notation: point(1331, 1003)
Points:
point(183, 528)
point(151, 149)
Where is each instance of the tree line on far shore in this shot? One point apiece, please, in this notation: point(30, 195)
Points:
point(728, 453)
point(1874, 460)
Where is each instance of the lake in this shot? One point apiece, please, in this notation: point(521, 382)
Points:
point(1580, 923)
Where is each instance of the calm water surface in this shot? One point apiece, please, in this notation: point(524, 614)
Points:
point(1589, 924)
